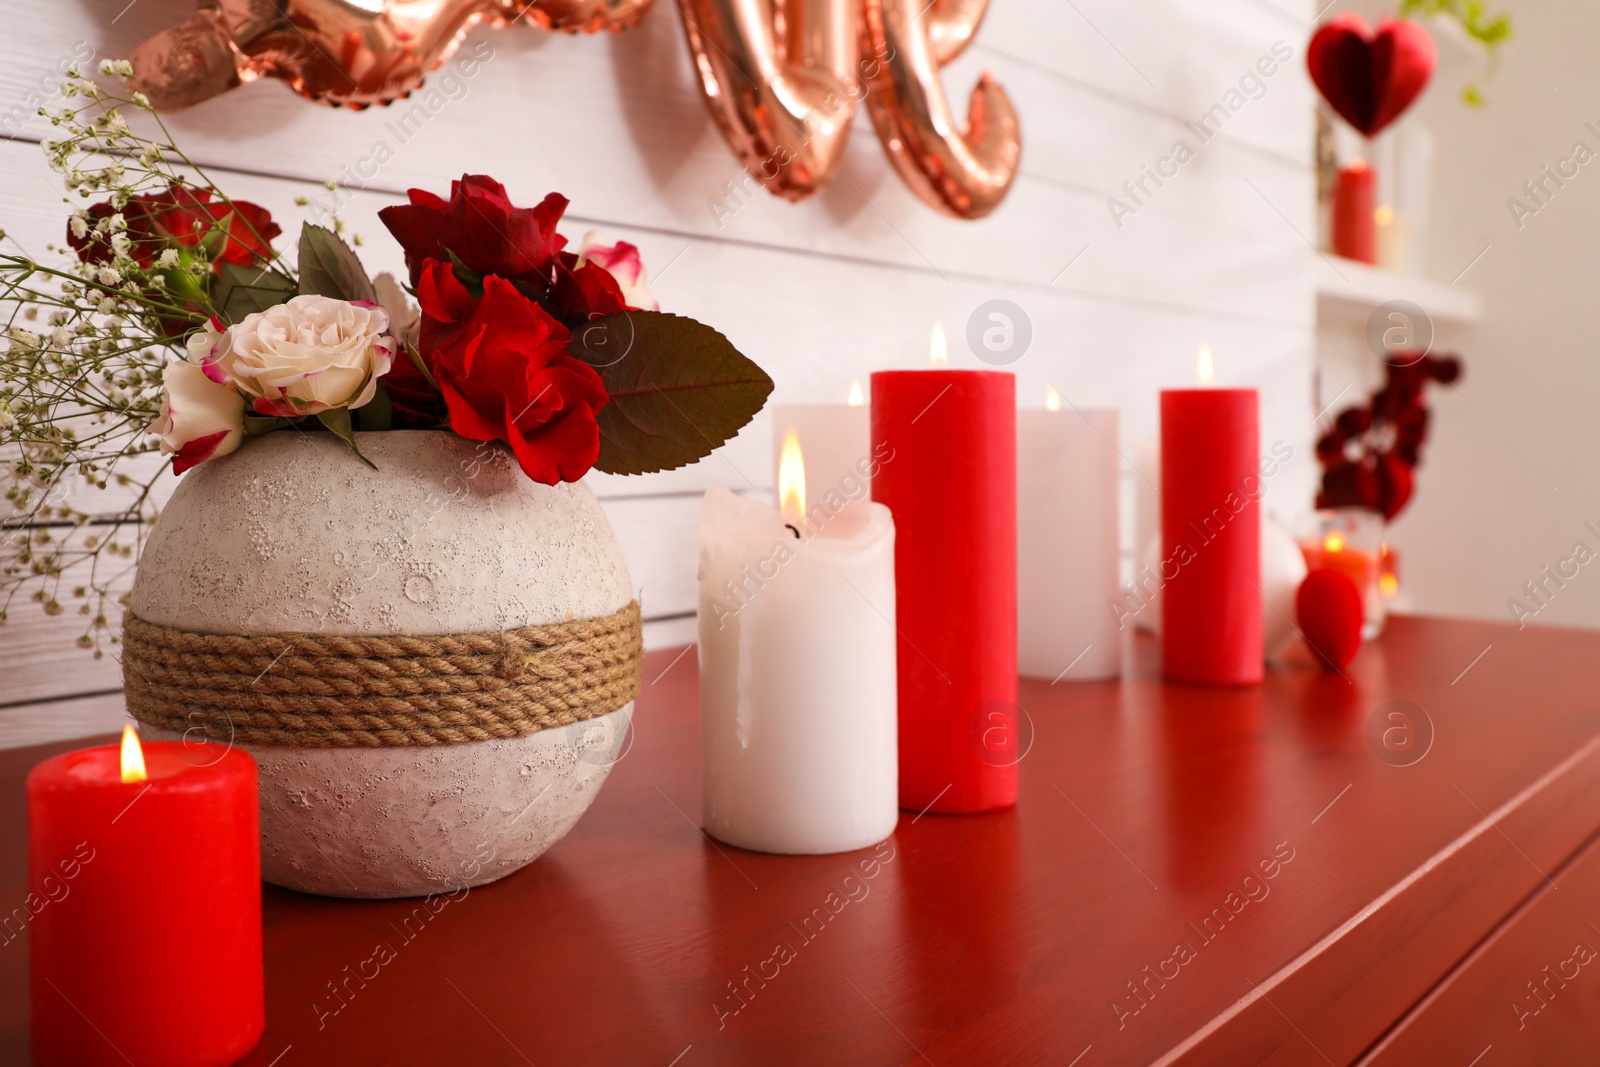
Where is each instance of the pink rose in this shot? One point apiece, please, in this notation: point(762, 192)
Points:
point(200, 420)
point(622, 262)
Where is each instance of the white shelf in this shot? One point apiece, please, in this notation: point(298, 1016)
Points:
point(1347, 287)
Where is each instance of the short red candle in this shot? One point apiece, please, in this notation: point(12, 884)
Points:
point(1211, 536)
point(146, 943)
point(1355, 208)
point(948, 472)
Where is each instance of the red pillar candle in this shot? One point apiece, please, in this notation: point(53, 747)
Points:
point(947, 444)
point(1355, 208)
point(1211, 534)
point(146, 945)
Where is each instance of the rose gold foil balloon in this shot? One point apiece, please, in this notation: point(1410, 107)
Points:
point(782, 78)
point(352, 52)
point(965, 173)
point(952, 24)
point(781, 83)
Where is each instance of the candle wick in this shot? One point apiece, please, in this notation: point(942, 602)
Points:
point(791, 526)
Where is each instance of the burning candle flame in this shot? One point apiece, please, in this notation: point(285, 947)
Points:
point(1333, 542)
point(1205, 368)
point(939, 351)
point(1388, 576)
point(792, 480)
point(132, 756)
point(1052, 399)
point(1384, 216)
point(857, 397)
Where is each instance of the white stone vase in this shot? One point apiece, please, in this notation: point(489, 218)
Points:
point(293, 533)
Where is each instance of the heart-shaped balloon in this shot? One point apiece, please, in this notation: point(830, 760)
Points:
point(1370, 78)
point(1331, 616)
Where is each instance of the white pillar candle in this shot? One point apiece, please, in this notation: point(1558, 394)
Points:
point(797, 674)
point(1067, 549)
point(1146, 512)
point(836, 440)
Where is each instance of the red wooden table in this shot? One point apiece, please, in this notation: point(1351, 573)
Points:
point(1396, 866)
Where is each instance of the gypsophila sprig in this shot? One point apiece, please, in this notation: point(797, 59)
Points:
point(86, 342)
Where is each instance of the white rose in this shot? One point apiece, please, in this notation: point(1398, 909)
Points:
point(405, 318)
point(622, 261)
point(304, 356)
point(200, 419)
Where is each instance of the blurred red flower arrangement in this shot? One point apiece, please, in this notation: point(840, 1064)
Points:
point(1371, 454)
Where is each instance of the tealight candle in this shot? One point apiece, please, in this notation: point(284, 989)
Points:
point(147, 948)
point(797, 670)
point(1211, 627)
point(952, 486)
point(836, 439)
point(1067, 551)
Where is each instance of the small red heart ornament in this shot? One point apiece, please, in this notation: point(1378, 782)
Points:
point(1370, 78)
point(1331, 616)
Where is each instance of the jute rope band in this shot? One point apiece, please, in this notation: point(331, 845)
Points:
point(331, 691)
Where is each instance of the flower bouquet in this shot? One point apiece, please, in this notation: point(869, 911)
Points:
point(178, 324)
point(411, 652)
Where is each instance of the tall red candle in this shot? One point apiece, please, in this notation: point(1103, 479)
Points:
point(947, 444)
point(1355, 212)
point(146, 943)
point(1211, 536)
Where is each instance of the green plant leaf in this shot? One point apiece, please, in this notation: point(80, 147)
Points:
point(244, 290)
point(337, 420)
point(377, 413)
point(329, 267)
point(679, 389)
point(255, 425)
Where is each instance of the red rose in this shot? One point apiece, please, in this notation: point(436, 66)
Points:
point(416, 404)
point(181, 215)
point(502, 366)
point(481, 226)
point(583, 294)
point(489, 235)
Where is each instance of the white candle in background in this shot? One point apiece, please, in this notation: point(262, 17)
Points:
point(797, 672)
point(1146, 512)
point(1067, 548)
point(1394, 240)
point(837, 441)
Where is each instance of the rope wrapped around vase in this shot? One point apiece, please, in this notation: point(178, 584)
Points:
point(335, 691)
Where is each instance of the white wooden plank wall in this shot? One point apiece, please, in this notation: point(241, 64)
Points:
point(818, 293)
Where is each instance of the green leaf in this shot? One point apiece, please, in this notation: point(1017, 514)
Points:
point(377, 413)
point(245, 290)
point(255, 425)
point(422, 368)
point(337, 420)
point(679, 389)
point(329, 267)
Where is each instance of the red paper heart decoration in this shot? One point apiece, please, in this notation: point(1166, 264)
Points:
point(1331, 616)
point(1370, 79)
